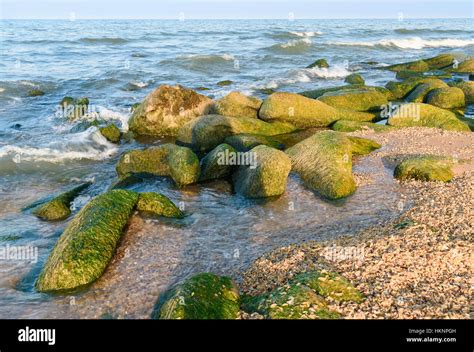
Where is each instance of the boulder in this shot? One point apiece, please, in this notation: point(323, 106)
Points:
point(467, 66)
point(324, 163)
point(88, 243)
point(363, 146)
point(216, 164)
point(155, 204)
point(355, 99)
point(467, 88)
point(111, 133)
point(425, 115)
point(417, 66)
point(237, 105)
point(352, 126)
point(225, 83)
point(316, 93)
point(408, 74)
point(72, 108)
point(401, 89)
point(320, 63)
point(245, 142)
point(418, 94)
point(203, 296)
point(35, 93)
point(265, 175)
point(446, 98)
point(440, 62)
point(425, 168)
point(166, 109)
point(179, 163)
point(209, 131)
point(354, 78)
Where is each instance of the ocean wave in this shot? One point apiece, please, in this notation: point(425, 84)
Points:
point(293, 34)
point(413, 43)
point(202, 62)
point(103, 40)
point(294, 46)
point(428, 31)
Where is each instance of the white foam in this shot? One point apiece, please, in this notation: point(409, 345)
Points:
point(297, 42)
point(414, 43)
point(306, 34)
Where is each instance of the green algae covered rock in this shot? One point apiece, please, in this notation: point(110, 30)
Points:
point(355, 99)
point(265, 174)
point(363, 146)
point(73, 108)
point(218, 162)
point(440, 62)
point(418, 66)
point(467, 88)
point(88, 243)
point(316, 93)
point(111, 133)
point(245, 142)
point(156, 204)
point(207, 132)
point(354, 78)
point(352, 126)
point(179, 163)
point(467, 66)
point(329, 284)
point(305, 112)
point(166, 109)
point(425, 168)
point(324, 163)
point(320, 63)
point(418, 94)
point(35, 93)
point(59, 208)
point(237, 105)
point(203, 296)
point(224, 83)
point(401, 89)
point(417, 114)
point(409, 74)
point(446, 98)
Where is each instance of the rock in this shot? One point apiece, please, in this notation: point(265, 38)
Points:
point(214, 165)
point(316, 93)
point(418, 94)
point(304, 112)
point(134, 107)
point(209, 131)
point(329, 285)
point(401, 89)
point(355, 99)
point(202, 88)
point(179, 163)
point(467, 88)
point(245, 142)
point(73, 109)
point(440, 62)
point(467, 66)
point(417, 66)
point(237, 105)
point(35, 93)
point(267, 91)
point(59, 207)
point(111, 133)
point(471, 77)
point(352, 126)
point(84, 125)
point(417, 114)
point(265, 175)
point(425, 168)
point(324, 163)
point(156, 204)
point(320, 63)
point(431, 74)
point(203, 296)
point(354, 78)
point(363, 146)
point(224, 83)
point(88, 243)
point(446, 98)
point(166, 109)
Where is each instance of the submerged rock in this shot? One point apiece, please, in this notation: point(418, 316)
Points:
point(245, 142)
point(352, 126)
point(166, 109)
point(111, 133)
point(354, 78)
point(363, 146)
point(224, 83)
point(425, 168)
point(73, 109)
point(59, 208)
point(179, 163)
point(203, 296)
point(425, 115)
point(207, 132)
point(324, 163)
point(355, 99)
point(216, 164)
point(320, 63)
point(88, 243)
point(156, 204)
point(265, 175)
point(418, 94)
point(35, 93)
point(446, 98)
point(236, 104)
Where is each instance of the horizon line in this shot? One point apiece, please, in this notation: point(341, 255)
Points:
point(236, 19)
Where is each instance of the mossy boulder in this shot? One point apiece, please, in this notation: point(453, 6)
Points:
point(218, 163)
point(155, 204)
point(440, 62)
point(166, 109)
point(59, 207)
point(425, 168)
point(352, 126)
point(363, 146)
point(467, 88)
point(73, 108)
point(320, 63)
point(355, 99)
point(203, 296)
point(236, 104)
point(245, 142)
point(467, 66)
point(418, 94)
point(264, 175)
point(401, 89)
point(410, 74)
point(88, 243)
point(324, 163)
point(417, 66)
point(111, 133)
point(446, 98)
point(207, 132)
point(179, 163)
point(316, 93)
point(305, 112)
point(425, 115)
point(35, 93)
point(354, 78)
point(224, 83)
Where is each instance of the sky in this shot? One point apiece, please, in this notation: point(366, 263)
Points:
point(233, 9)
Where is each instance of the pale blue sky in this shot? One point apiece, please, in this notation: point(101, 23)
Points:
point(133, 9)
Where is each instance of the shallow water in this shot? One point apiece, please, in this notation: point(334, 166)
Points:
point(115, 64)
